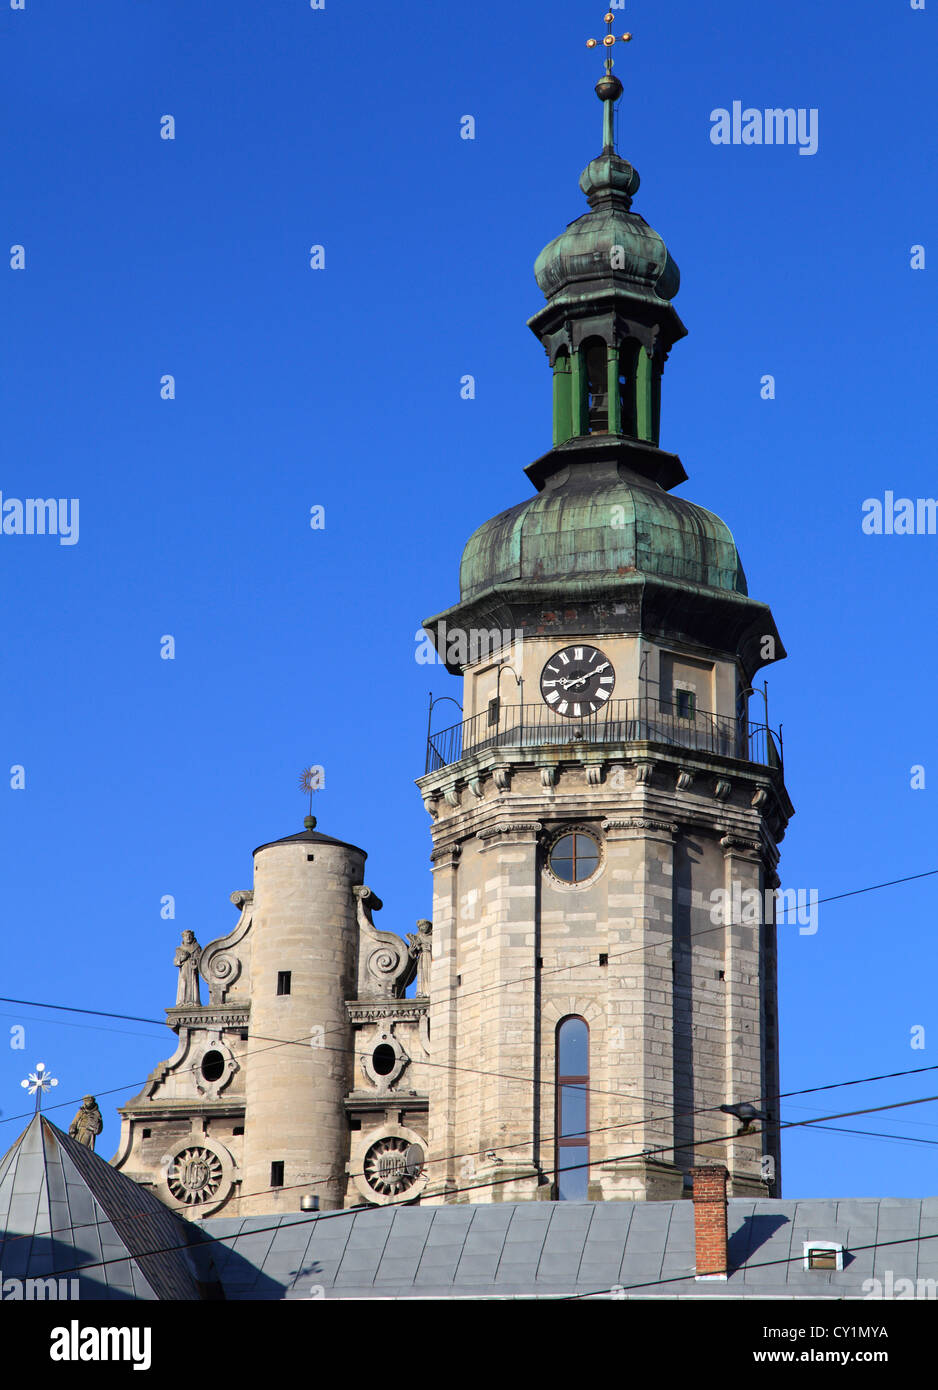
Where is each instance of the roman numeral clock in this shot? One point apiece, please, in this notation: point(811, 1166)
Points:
point(577, 681)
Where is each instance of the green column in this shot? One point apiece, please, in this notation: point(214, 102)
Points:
point(644, 427)
point(579, 393)
point(614, 403)
point(563, 400)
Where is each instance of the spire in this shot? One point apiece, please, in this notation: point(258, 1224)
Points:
point(609, 88)
point(608, 324)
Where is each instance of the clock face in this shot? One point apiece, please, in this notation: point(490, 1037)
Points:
point(577, 681)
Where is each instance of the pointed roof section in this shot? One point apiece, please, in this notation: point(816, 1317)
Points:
point(65, 1213)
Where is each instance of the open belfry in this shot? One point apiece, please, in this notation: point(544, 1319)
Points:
point(582, 1013)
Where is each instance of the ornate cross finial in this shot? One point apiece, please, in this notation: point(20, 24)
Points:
point(38, 1082)
point(610, 40)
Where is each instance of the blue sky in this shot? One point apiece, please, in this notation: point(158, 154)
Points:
point(340, 387)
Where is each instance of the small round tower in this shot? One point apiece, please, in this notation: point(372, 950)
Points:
point(298, 1070)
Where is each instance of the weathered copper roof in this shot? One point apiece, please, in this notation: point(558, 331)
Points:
point(587, 528)
point(610, 242)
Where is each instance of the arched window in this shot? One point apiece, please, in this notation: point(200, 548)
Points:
point(597, 384)
point(572, 1117)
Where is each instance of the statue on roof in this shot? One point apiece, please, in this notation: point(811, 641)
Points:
point(186, 960)
point(87, 1124)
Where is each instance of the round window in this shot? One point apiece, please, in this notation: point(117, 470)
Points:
point(574, 857)
point(384, 1059)
point(213, 1064)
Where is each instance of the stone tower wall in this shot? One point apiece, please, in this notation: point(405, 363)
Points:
point(304, 922)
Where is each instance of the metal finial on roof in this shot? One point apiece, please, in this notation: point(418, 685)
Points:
point(311, 780)
point(38, 1082)
point(608, 88)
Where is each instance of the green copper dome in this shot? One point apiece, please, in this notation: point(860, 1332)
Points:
point(590, 531)
point(610, 242)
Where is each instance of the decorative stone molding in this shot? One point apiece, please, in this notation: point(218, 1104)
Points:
point(382, 1036)
point(207, 1016)
point(197, 1176)
point(451, 796)
point(685, 780)
point(445, 856)
point(502, 777)
point(475, 786)
point(548, 777)
point(507, 828)
point(386, 964)
point(638, 823)
point(212, 1089)
point(643, 772)
point(760, 798)
point(430, 805)
point(397, 1010)
point(734, 844)
point(594, 774)
point(388, 1164)
point(219, 966)
point(722, 789)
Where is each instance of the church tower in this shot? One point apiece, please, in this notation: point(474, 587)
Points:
point(591, 1005)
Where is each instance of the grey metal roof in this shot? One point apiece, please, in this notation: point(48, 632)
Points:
point(66, 1213)
point(546, 1249)
point(313, 837)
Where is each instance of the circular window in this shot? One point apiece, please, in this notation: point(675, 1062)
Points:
point(384, 1059)
point(574, 857)
point(213, 1064)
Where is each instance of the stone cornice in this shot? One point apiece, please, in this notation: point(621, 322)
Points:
point(373, 1011)
point(209, 1015)
point(640, 825)
point(742, 848)
point(526, 829)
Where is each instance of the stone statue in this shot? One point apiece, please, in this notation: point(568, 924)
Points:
point(421, 943)
point(186, 960)
point(87, 1124)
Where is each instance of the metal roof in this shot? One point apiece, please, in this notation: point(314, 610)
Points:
point(65, 1213)
point(558, 1250)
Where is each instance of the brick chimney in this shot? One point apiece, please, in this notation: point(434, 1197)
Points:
point(710, 1222)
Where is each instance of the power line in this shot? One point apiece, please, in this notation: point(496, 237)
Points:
point(404, 1200)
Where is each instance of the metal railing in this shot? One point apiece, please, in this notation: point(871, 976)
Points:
point(640, 720)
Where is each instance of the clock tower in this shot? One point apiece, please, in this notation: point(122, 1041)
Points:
point(592, 1007)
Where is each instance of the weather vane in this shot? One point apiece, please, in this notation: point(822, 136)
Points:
point(38, 1082)
point(610, 40)
point(311, 780)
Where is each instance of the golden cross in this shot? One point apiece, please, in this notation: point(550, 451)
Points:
point(610, 39)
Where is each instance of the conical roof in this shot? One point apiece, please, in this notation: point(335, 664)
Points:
point(66, 1214)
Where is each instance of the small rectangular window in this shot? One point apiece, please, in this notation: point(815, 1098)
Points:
point(238, 1129)
point(494, 707)
point(145, 1134)
point(822, 1259)
point(685, 704)
point(276, 1173)
point(603, 958)
point(283, 981)
point(823, 1255)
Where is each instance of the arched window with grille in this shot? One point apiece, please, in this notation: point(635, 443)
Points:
point(572, 1109)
